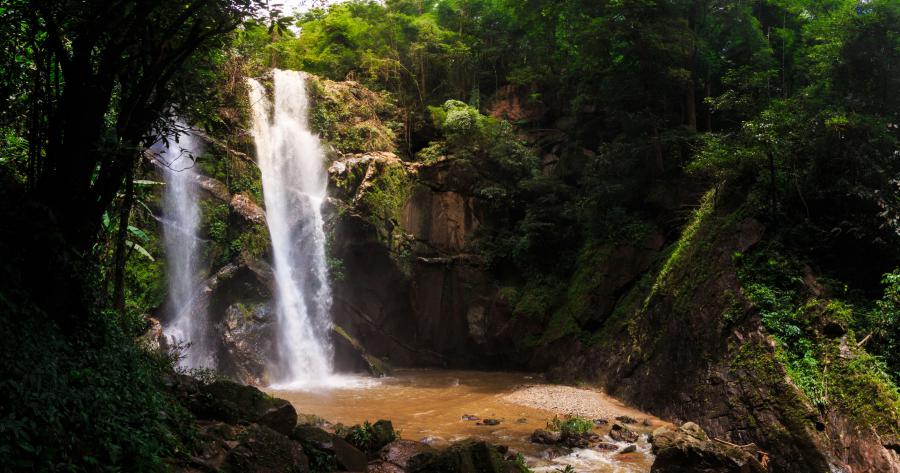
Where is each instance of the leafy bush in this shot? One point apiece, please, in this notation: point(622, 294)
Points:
point(86, 401)
point(572, 425)
point(882, 324)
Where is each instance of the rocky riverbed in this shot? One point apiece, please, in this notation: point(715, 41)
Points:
point(438, 408)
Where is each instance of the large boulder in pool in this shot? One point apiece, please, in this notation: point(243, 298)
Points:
point(467, 456)
point(234, 403)
point(688, 449)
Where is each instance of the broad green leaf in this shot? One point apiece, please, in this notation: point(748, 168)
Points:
point(140, 249)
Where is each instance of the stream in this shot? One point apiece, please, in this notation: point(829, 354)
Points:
point(430, 405)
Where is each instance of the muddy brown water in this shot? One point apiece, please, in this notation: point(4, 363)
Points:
point(429, 405)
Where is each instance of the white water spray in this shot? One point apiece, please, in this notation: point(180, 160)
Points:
point(186, 322)
point(294, 183)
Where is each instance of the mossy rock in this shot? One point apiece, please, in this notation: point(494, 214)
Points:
point(468, 456)
point(231, 402)
point(352, 118)
point(262, 450)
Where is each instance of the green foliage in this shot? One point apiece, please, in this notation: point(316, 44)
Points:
point(882, 323)
point(86, 401)
point(385, 197)
point(490, 144)
point(13, 153)
point(351, 118)
point(858, 384)
point(571, 425)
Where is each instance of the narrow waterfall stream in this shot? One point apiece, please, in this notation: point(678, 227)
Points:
point(294, 180)
point(186, 324)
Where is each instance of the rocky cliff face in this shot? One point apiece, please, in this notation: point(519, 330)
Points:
point(411, 288)
point(671, 329)
point(686, 344)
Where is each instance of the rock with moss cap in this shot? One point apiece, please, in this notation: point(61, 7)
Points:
point(688, 449)
point(231, 402)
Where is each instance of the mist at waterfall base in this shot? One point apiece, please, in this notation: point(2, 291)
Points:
point(185, 325)
point(294, 180)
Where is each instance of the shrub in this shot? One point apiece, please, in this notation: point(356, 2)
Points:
point(572, 425)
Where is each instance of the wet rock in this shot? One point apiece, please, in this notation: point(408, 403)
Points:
point(629, 449)
point(263, 450)
point(281, 417)
point(693, 430)
point(351, 355)
point(381, 466)
point(383, 432)
point(605, 446)
point(231, 402)
point(470, 417)
point(689, 450)
point(314, 436)
point(246, 334)
point(545, 437)
point(402, 452)
point(622, 434)
point(328, 449)
point(576, 440)
point(311, 419)
point(348, 457)
point(468, 456)
point(647, 423)
point(600, 422)
point(216, 188)
point(626, 420)
point(247, 208)
point(554, 452)
point(490, 422)
point(153, 337)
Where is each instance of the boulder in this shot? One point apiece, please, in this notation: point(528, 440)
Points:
point(545, 437)
point(327, 450)
point(350, 355)
point(383, 433)
point(233, 403)
point(244, 206)
point(689, 450)
point(246, 335)
point(622, 434)
point(263, 450)
point(407, 453)
point(153, 338)
point(381, 466)
point(467, 456)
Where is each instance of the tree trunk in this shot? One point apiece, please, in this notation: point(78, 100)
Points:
point(121, 238)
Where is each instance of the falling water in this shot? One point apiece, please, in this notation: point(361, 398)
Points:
point(294, 182)
point(186, 324)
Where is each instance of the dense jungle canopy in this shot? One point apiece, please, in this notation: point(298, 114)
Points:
point(579, 127)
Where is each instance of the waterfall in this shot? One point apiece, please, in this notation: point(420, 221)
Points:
point(294, 181)
point(185, 321)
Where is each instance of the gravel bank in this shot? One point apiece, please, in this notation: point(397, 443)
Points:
point(571, 400)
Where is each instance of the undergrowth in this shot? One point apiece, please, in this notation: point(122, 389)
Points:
point(831, 370)
point(86, 401)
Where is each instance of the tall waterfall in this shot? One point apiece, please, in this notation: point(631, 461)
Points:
point(294, 183)
point(186, 324)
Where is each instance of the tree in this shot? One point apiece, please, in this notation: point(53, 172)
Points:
point(106, 79)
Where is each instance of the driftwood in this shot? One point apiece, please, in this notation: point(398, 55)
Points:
point(761, 456)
